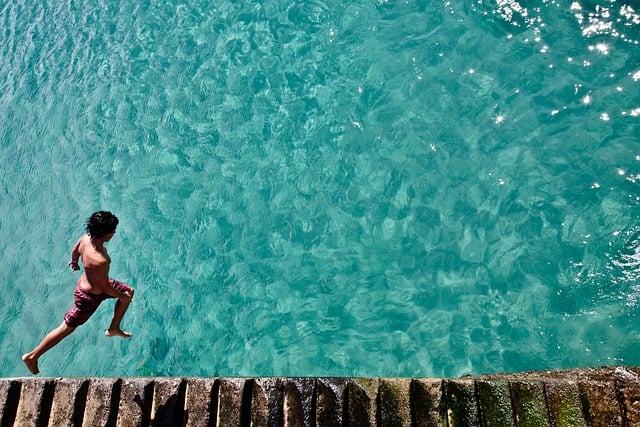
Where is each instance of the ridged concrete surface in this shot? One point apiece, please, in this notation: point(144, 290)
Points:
point(607, 397)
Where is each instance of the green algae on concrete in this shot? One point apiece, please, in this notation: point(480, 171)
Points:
point(394, 402)
point(494, 398)
point(462, 407)
point(564, 404)
point(529, 403)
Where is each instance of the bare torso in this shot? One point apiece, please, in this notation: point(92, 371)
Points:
point(95, 261)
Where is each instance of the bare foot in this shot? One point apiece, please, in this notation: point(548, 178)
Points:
point(117, 333)
point(32, 364)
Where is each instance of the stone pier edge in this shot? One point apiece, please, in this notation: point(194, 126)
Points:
point(606, 396)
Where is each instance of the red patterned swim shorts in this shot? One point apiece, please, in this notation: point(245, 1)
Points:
point(85, 303)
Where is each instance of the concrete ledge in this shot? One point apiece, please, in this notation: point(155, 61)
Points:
point(608, 396)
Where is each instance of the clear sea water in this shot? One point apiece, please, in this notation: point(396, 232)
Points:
point(317, 188)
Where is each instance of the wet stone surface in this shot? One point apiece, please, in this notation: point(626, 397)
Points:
point(608, 396)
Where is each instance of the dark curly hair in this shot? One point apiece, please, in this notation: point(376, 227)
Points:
point(101, 223)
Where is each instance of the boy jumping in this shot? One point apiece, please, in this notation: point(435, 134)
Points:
point(93, 287)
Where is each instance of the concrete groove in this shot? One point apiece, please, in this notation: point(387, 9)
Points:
point(608, 396)
point(10, 395)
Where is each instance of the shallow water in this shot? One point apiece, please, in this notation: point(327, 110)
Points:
point(377, 188)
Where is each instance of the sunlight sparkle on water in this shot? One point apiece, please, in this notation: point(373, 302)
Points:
point(602, 48)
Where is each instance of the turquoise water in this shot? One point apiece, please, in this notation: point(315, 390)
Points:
point(379, 188)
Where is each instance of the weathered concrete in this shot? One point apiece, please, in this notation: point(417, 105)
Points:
point(608, 396)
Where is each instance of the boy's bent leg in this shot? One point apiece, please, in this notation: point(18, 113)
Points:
point(52, 339)
point(118, 313)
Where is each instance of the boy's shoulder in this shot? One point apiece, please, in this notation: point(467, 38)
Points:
point(82, 242)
